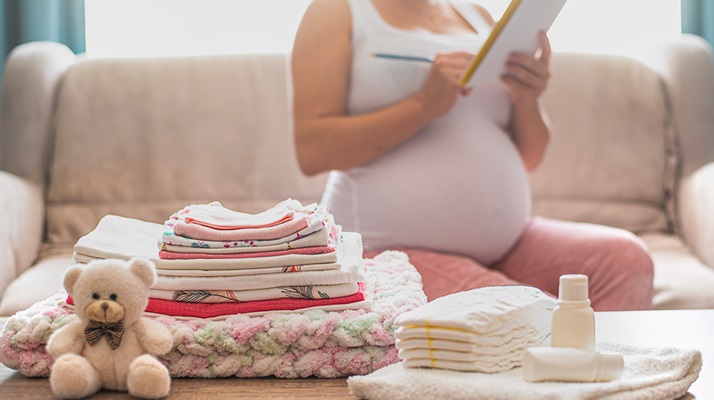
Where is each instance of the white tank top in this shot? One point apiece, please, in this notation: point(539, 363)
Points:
point(459, 184)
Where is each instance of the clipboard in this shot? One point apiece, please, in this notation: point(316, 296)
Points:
point(517, 30)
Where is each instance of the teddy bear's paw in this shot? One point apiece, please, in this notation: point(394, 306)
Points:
point(73, 377)
point(148, 378)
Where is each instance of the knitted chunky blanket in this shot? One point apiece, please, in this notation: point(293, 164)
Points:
point(312, 343)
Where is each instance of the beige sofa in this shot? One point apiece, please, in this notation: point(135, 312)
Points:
point(633, 146)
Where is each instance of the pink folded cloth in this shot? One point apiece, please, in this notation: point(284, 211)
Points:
point(298, 222)
point(321, 234)
point(169, 255)
point(214, 215)
point(211, 310)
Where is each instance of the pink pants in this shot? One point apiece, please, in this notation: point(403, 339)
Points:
point(616, 262)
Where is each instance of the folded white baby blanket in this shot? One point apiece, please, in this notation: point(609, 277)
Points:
point(482, 330)
point(650, 373)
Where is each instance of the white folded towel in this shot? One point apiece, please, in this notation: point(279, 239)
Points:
point(650, 373)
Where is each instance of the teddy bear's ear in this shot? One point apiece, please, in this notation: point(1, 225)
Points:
point(70, 277)
point(144, 269)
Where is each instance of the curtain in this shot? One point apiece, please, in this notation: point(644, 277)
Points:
point(23, 21)
point(698, 18)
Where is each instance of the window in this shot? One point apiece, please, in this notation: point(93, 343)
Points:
point(629, 27)
point(122, 28)
point(188, 27)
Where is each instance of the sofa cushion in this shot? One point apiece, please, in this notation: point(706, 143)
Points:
point(611, 157)
point(38, 282)
point(21, 223)
point(681, 280)
point(143, 138)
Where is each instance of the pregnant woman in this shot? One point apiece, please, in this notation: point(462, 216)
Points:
point(421, 164)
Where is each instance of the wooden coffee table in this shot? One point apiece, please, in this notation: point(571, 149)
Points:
point(680, 328)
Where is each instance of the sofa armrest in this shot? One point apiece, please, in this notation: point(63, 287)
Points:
point(696, 212)
point(687, 68)
point(22, 213)
point(29, 88)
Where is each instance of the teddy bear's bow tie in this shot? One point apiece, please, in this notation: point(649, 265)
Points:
point(113, 332)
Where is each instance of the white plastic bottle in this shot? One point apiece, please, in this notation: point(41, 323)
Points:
point(573, 319)
point(570, 365)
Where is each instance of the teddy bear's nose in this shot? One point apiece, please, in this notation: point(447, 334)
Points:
point(105, 306)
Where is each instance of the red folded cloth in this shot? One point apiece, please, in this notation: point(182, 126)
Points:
point(170, 255)
point(210, 310)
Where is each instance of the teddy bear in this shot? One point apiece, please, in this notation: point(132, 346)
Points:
point(111, 345)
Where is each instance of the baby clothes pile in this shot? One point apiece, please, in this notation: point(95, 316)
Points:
point(213, 262)
point(481, 330)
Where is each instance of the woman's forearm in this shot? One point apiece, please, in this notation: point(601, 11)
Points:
point(530, 128)
point(346, 141)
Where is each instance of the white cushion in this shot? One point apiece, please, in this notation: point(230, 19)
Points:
point(680, 280)
point(37, 283)
point(21, 225)
point(610, 157)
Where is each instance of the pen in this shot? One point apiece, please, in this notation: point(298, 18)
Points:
point(401, 57)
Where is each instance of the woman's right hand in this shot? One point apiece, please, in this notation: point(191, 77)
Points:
point(442, 87)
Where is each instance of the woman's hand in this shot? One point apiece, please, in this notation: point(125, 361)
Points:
point(527, 76)
point(442, 87)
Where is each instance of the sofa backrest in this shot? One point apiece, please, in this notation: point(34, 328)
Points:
point(613, 157)
point(144, 137)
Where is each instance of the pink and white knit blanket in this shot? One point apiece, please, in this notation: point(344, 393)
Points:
point(295, 345)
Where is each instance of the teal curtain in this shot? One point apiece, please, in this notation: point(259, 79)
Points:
point(698, 18)
point(23, 21)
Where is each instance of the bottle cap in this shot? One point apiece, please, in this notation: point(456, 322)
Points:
point(573, 287)
point(612, 365)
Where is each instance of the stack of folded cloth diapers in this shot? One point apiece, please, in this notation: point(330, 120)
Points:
point(214, 262)
point(481, 330)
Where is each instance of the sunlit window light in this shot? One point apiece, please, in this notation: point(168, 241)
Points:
point(122, 28)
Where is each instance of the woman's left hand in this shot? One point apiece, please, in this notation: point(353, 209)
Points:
point(527, 76)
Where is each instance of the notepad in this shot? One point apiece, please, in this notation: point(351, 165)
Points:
point(516, 31)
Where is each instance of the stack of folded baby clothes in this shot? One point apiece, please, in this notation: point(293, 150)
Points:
point(481, 330)
point(213, 262)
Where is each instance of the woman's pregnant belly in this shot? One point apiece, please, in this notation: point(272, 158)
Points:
point(454, 187)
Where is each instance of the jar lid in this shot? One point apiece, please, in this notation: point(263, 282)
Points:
point(573, 287)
